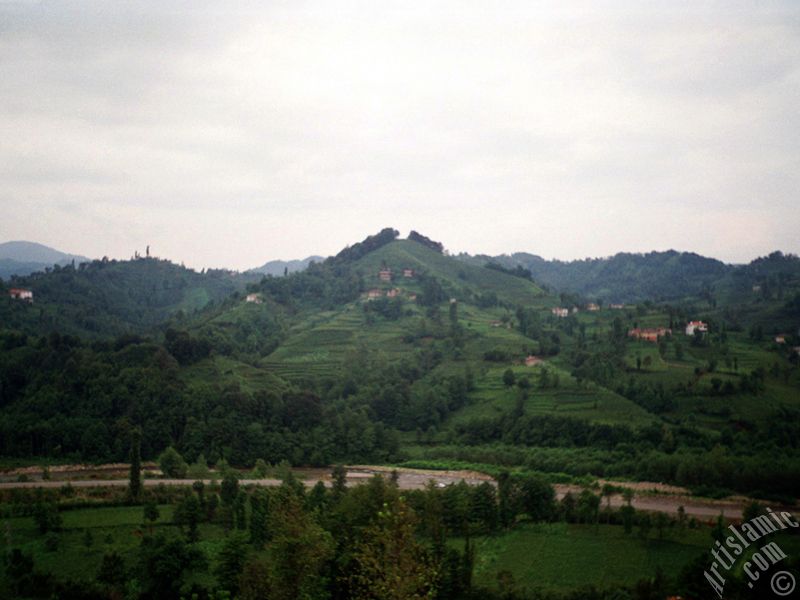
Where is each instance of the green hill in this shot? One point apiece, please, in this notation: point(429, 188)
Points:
point(464, 281)
point(110, 298)
point(444, 361)
point(624, 277)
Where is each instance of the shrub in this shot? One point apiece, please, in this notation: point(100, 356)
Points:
point(172, 464)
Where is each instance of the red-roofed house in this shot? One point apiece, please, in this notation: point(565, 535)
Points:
point(21, 294)
point(693, 326)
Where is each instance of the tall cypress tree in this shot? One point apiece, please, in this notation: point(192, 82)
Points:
point(135, 478)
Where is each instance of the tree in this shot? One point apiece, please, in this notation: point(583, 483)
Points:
point(151, 513)
point(112, 569)
point(627, 511)
point(607, 491)
point(163, 563)
point(645, 523)
point(229, 489)
point(259, 507)
point(260, 470)
point(188, 515)
point(662, 521)
point(240, 509)
point(47, 517)
point(506, 510)
point(172, 464)
point(135, 476)
point(537, 498)
point(199, 468)
point(390, 564)
point(232, 558)
point(568, 507)
point(508, 378)
point(298, 551)
point(544, 378)
point(588, 507)
point(483, 506)
point(339, 477)
point(751, 511)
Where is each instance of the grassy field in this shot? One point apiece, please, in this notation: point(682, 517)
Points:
point(492, 398)
point(561, 557)
point(112, 528)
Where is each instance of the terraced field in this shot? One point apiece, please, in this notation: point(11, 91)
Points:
point(492, 398)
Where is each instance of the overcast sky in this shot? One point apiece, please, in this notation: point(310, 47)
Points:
point(227, 134)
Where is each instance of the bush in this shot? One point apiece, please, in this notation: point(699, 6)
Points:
point(260, 470)
point(199, 469)
point(47, 517)
point(172, 464)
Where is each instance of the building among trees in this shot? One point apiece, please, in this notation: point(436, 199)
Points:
point(21, 294)
point(693, 326)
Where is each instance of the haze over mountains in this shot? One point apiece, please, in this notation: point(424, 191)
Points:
point(279, 267)
point(23, 258)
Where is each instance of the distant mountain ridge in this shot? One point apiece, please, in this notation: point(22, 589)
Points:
point(23, 258)
point(279, 267)
point(624, 277)
point(659, 276)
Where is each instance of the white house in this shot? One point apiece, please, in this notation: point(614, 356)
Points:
point(254, 298)
point(693, 326)
point(560, 312)
point(21, 294)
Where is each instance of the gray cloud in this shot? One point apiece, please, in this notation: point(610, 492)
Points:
point(226, 135)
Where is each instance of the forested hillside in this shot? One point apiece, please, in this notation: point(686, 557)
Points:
point(394, 351)
point(109, 297)
point(623, 277)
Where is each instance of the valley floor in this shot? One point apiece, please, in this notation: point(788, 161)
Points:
point(649, 496)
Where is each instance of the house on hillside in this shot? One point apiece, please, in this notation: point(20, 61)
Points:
point(412, 297)
point(21, 294)
point(532, 361)
point(649, 335)
point(592, 307)
point(393, 293)
point(374, 293)
point(693, 326)
point(385, 274)
point(616, 306)
point(408, 273)
point(780, 338)
point(562, 313)
point(253, 298)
